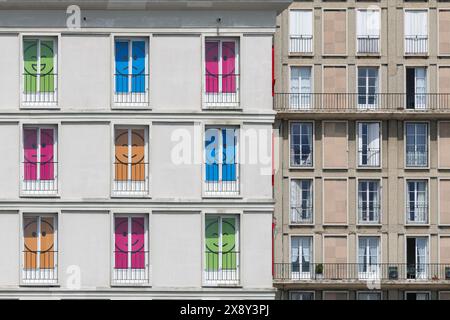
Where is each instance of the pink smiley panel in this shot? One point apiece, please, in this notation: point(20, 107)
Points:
point(47, 161)
point(228, 67)
point(30, 153)
point(212, 66)
point(121, 243)
point(137, 243)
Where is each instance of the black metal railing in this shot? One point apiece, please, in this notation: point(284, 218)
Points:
point(301, 44)
point(369, 213)
point(302, 214)
point(222, 267)
point(40, 266)
point(222, 90)
point(40, 88)
point(131, 177)
point(360, 271)
point(131, 267)
point(416, 44)
point(416, 213)
point(131, 89)
point(376, 102)
point(369, 157)
point(368, 44)
point(222, 179)
point(40, 177)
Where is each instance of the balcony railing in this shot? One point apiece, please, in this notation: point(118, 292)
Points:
point(369, 157)
point(222, 268)
point(40, 178)
point(416, 44)
point(131, 267)
point(222, 90)
point(40, 89)
point(40, 267)
point(301, 44)
point(417, 213)
point(131, 179)
point(222, 179)
point(416, 158)
point(302, 214)
point(368, 44)
point(131, 90)
point(377, 102)
point(369, 213)
point(287, 272)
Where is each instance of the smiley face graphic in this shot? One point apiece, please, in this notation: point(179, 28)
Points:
point(137, 147)
point(31, 146)
point(46, 65)
point(228, 236)
point(46, 235)
point(137, 235)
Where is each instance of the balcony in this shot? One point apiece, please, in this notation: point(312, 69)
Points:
point(416, 159)
point(40, 267)
point(221, 268)
point(222, 180)
point(131, 90)
point(354, 272)
point(40, 178)
point(302, 214)
point(416, 45)
point(368, 45)
point(369, 157)
point(355, 102)
point(301, 44)
point(131, 179)
point(221, 91)
point(40, 90)
point(131, 267)
point(417, 213)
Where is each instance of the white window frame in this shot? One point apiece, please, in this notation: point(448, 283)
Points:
point(427, 145)
point(297, 181)
point(424, 273)
point(379, 293)
point(367, 34)
point(291, 154)
point(367, 192)
point(367, 94)
point(50, 275)
point(370, 153)
point(302, 35)
point(415, 192)
point(300, 99)
point(302, 275)
point(374, 272)
point(291, 293)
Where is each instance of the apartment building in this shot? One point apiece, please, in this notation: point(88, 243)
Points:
point(363, 136)
point(126, 129)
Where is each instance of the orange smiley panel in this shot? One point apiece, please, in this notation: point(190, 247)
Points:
point(30, 242)
point(47, 238)
point(138, 155)
point(121, 154)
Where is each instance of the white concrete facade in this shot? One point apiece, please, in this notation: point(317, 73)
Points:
point(85, 204)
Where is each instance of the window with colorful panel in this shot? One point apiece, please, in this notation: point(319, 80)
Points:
point(221, 248)
point(221, 71)
point(221, 165)
point(40, 70)
point(39, 248)
point(39, 159)
point(130, 159)
point(131, 75)
point(130, 248)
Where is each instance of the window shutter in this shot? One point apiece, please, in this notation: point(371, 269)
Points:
point(211, 154)
point(137, 243)
point(121, 243)
point(137, 155)
point(122, 66)
point(229, 155)
point(47, 239)
point(138, 67)
point(30, 53)
point(47, 70)
point(212, 66)
point(47, 154)
point(30, 154)
point(229, 67)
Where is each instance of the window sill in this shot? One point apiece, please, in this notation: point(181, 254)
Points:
point(131, 106)
point(44, 106)
point(30, 195)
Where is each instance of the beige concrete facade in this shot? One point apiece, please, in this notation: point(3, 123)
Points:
point(333, 109)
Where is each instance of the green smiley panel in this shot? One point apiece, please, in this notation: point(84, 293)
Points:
point(220, 243)
point(44, 66)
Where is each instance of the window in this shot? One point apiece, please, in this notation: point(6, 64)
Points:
point(369, 257)
point(301, 255)
point(416, 88)
point(417, 295)
point(130, 161)
point(368, 31)
point(369, 201)
point(300, 31)
point(130, 249)
point(369, 144)
point(39, 176)
point(40, 249)
point(301, 144)
point(301, 295)
point(40, 71)
point(416, 32)
point(221, 163)
point(131, 75)
point(301, 201)
point(221, 249)
point(221, 73)
point(368, 87)
point(416, 144)
point(369, 295)
point(301, 97)
point(417, 257)
point(417, 201)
